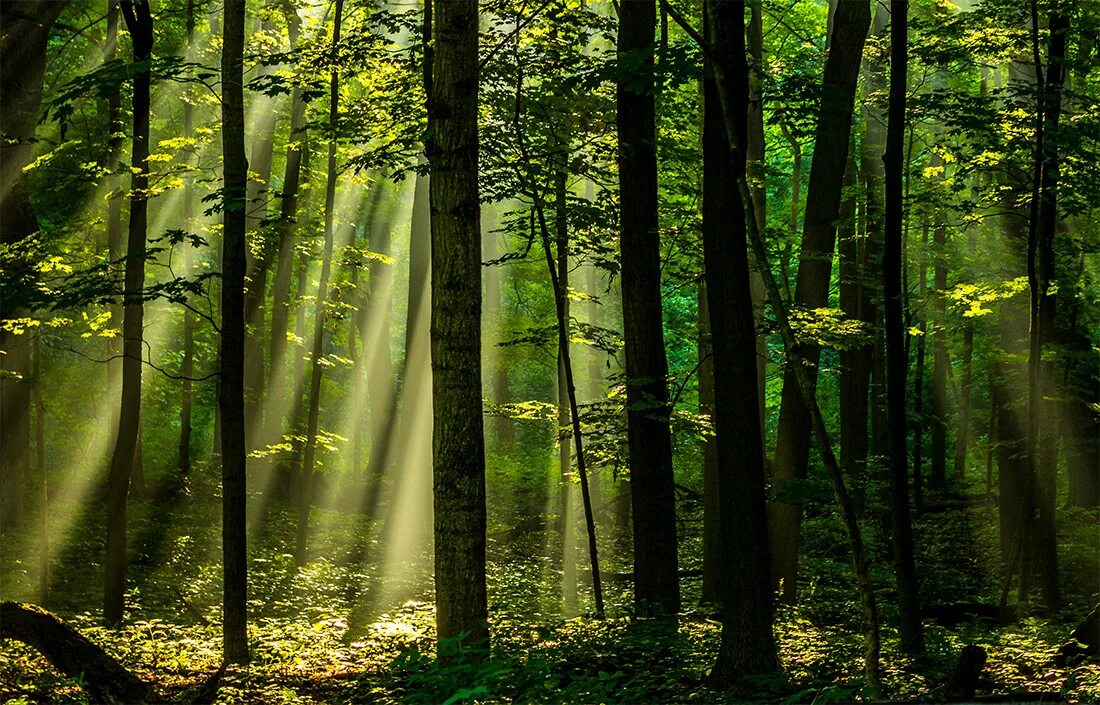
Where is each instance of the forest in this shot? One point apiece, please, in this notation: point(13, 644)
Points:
point(549, 351)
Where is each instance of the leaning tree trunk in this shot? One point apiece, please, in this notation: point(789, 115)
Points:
point(748, 645)
point(458, 444)
point(652, 486)
point(305, 490)
point(823, 197)
point(139, 22)
point(231, 400)
point(897, 364)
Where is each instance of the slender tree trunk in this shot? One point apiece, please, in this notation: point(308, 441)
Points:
point(115, 133)
point(559, 276)
point(287, 226)
point(139, 22)
point(232, 397)
point(905, 571)
point(1042, 277)
point(43, 487)
point(305, 497)
point(823, 197)
point(962, 433)
point(187, 369)
point(756, 149)
point(747, 645)
point(656, 583)
point(458, 447)
point(937, 478)
point(918, 380)
point(712, 539)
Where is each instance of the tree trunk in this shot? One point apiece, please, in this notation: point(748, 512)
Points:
point(652, 492)
point(712, 539)
point(139, 22)
point(458, 447)
point(232, 397)
point(24, 32)
point(1042, 277)
point(284, 265)
point(937, 478)
point(918, 379)
point(305, 496)
point(905, 572)
point(832, 136)
point(103, 678)
point(962, 432)
point(748, 645)
point(187, 369)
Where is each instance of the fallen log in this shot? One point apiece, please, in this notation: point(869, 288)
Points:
point(103, 678)
point(1084, 641)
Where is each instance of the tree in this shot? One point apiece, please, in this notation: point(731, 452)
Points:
point(24, 33)
point(305, 490)
point(748, 646)
point(834, 124)
point(139, 22)
point(187, 369)
point(652, 493)
point(458, 445)
point(897, 362)
point(231, 396)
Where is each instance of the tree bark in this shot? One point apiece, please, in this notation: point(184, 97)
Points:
point(24, 32)
point(747, 645)
point(652, 492)
point(897, 364)
point(458, 446)
point(103, 678)
point(232, 397)
point(139, 22)
point(187, 369)
point(286, 228)
point(305, 496)
point(823, 196)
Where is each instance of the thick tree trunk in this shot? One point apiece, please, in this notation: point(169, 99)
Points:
point(305, 496)
point(833, 132)
point(897, 364)
point(24, 32)
point(103, 678)
point(232, 397)
point(139, 22)
point(747, 645)
point(458, 447)
point(652, 492)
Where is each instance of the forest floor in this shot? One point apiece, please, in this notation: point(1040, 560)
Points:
point(342, 629)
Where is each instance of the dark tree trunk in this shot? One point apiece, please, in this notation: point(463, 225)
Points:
point(232, 397)
point(962, 432)
point(897, 365)
point(854, 376)
point(1042, 277)
point(833, 132)
point(139, 22)
point(187, 369)
point(276, 407)
point(712, 539)
point(305, 495)
point(24, 32)
point(103, 678)
point(656, 587)
point(748, 645)
point(458, 447)
point(937, 478)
